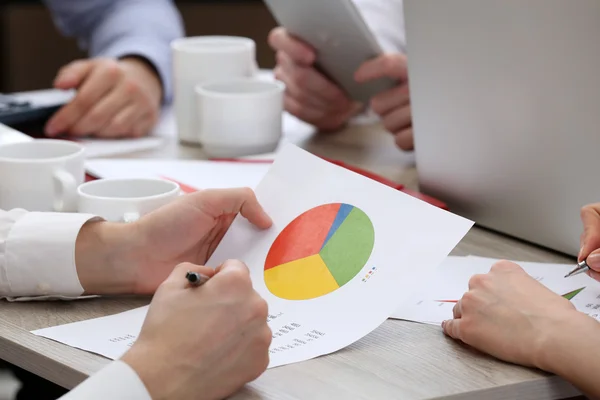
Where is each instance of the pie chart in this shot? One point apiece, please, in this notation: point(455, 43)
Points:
point(318, 252)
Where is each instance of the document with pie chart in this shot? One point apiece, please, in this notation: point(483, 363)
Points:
point(343, 252)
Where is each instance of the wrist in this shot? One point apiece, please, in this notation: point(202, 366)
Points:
point(104, 258)
point(156, 375)
point(557, 348)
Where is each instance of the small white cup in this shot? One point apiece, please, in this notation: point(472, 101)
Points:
point(204, 58)
point(41, 175)
point(240, 117)
point(126, 199)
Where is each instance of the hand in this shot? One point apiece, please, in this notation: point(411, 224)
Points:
point(393, 105)
point(114, 99)
point(510, 315)
point(114, 258)
point(309, 95)
point(590, 239)
point(205, 342)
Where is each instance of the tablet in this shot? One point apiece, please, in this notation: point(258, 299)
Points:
point(340, 36)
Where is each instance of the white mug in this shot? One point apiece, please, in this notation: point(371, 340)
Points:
point(240, 117)
point(200, 59)
point(41, 175)
point(125, 199)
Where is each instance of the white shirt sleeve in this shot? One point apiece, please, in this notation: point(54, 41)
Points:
point(115, 382)
point(386, 20)
point(37, 258)
point(37, 253)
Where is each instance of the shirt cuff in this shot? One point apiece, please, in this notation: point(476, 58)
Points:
point(156, 54)
point(116, 381)
point(40, 254)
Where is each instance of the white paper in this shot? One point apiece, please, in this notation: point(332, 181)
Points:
point(9, 135)
point(434, 299)
point(410, 238)
point(196, 174)
point(108, 336)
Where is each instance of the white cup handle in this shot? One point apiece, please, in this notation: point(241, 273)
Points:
point(130, 217)
point(65, 191)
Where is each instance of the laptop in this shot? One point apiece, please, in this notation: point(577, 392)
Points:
point(506, 112)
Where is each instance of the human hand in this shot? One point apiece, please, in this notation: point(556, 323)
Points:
point(115, 98)
point(115, 258)
point(590, 239)
point(393, 105)
point(309, 95)
point(510, 315)
point(202, 342)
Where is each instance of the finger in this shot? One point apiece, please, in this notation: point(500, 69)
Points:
point(143, 126)
point(304, 96)
point(405, 139)
point(300, 52)
point(398, 120)
point(594, 275)
point(591, 230)
point(216, 203)
point(388, 66)
point(593, 260)
point(457, 310)
point(179, 272)
point(304, 112)
point(391, 99)
point(452, 328)
point(309, 79)
point(232, 265)
point(99, 82)
point(71, 75)
point(102, 113)
point(122, 124)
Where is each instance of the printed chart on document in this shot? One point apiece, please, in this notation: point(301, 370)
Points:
point(317, 253)
point(433, 303)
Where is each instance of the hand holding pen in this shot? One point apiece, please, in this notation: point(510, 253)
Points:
point(589, 255)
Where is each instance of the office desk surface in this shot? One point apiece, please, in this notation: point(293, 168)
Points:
point(399, 360)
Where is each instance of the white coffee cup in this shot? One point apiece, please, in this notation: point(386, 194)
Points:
point(204, 58)
point(125, 199)
point(240, 117)
point(41, 175)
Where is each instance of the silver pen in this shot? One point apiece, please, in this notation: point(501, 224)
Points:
point(196, 279)
point(581, 267)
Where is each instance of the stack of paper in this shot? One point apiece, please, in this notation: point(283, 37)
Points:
point(432, 303)
point(341, 249)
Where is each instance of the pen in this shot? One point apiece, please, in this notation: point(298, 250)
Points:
point(581, 267)
point(196, 279)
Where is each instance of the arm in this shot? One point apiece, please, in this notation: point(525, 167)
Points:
point(509, 315)
point(386, 20)
point(567, 355)
point(116, 381)
point(120, 28)
point(37, 253)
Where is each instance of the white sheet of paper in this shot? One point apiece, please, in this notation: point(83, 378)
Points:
point(197, 174)
point(320, 298)
point(9, 135)
point(411, 239)
point(108, 336)
point(432, 303)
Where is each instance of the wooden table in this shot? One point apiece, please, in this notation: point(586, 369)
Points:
point(399, 360)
